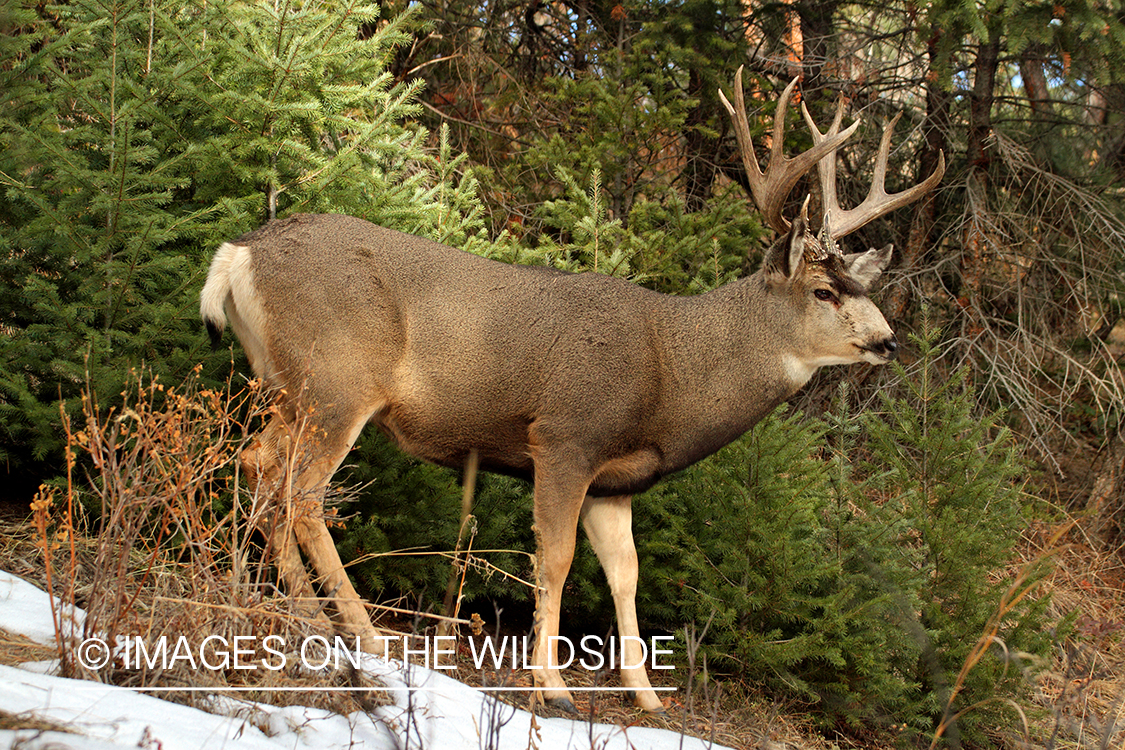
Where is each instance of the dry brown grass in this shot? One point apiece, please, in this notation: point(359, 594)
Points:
point(1079, 695)
point(14, 722)
point(175, 556)
point(729, 713)
point(15, 649)
point(1083, 689)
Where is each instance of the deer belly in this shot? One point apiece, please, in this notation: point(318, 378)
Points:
point(446, 437)
point(627, 475)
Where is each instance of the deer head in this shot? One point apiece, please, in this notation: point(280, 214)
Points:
point(828, 286)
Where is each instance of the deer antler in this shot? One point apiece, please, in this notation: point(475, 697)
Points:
point(771, 188)
point(878, 202)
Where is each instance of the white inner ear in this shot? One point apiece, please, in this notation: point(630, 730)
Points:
point(866, 267)
point(796, 252)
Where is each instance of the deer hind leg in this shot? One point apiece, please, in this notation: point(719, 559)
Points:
point(557, 506)
point(264, 463)
point(608, 522)
point(310, 467)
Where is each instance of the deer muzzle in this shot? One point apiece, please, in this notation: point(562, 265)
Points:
point(886, 349)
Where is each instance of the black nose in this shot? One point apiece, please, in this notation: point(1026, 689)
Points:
point(890, 347)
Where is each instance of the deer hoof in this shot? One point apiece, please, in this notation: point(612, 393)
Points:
point(563, 703)
point(656, 708)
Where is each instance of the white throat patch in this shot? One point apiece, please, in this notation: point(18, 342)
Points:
point(797, 370)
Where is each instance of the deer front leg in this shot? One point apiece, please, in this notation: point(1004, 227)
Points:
point(556, 526)
point(609, 527)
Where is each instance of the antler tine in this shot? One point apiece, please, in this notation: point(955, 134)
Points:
point(826, 168)
point(878, 201)
point(771, 188)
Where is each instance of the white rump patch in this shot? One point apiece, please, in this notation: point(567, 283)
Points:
point(230, 293)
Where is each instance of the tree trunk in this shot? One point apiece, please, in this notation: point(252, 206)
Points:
point(1035, 82)
point(701, 150)
point(935, 129)
point(979, 157)
point(1106, 504)
point(817, 35)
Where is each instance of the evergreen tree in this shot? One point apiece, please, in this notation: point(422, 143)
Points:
point(864, 586)
point(137, 136)
point(797, 578)
point(953, 488)
point(91, 226)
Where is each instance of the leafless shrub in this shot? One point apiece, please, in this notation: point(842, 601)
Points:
point(1047, 276)
point(180, 585)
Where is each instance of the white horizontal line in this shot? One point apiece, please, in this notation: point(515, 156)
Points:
point(366, 689)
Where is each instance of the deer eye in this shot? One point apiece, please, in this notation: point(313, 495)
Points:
point(824, 295)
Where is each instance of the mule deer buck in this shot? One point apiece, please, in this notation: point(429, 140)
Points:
point(589, 386)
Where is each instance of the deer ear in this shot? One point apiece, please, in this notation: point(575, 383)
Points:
point(866, 267)
point(786, 254)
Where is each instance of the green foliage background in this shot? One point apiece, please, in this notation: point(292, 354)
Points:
point(847, 559)
point(859, 585)
point(135, 137)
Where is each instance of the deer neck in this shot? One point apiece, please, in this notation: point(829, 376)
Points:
point(732, 356)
